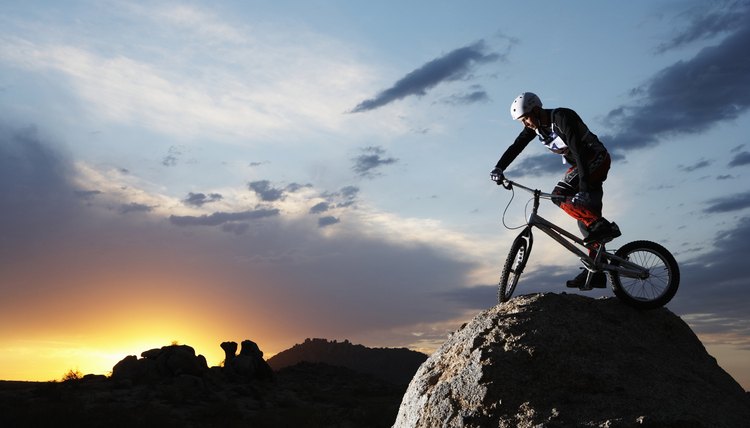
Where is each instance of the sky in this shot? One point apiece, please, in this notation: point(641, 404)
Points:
point(197, 172)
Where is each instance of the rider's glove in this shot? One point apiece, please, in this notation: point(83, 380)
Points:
point(497, 175)
point(581, 198)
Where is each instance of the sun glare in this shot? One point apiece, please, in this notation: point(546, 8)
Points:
point(96, 352)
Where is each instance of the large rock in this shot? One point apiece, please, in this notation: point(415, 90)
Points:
point(248, 365)
point(160, 363)
point(567, 361)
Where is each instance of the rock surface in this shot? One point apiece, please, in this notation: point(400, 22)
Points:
point(551, 360)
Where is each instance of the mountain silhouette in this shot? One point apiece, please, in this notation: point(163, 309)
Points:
point(558, 360)
point(396, 365)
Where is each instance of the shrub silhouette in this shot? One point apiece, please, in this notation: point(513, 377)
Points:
point(72, 375)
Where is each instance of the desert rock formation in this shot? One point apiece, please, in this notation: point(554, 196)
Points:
point(554, 360)
point(396, 365)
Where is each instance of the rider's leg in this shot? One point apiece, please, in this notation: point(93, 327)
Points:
point(585, 214)
point(567, 187)
point(589, 212)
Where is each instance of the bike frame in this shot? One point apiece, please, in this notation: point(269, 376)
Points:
point(575, 244)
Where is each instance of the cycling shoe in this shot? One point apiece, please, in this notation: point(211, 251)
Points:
point(599, 280)
point(602, 231)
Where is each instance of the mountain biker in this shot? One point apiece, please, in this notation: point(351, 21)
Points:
point(563, 132)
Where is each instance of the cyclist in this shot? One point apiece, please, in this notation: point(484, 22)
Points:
point(563, 132)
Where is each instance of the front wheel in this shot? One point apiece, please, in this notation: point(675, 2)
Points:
point(657, 287)
point(514, 265)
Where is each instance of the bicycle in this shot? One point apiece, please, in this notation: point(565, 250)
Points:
point(643, 274)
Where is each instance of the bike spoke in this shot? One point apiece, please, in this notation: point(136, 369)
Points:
point(656, 284)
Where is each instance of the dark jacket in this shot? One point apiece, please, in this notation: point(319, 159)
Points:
point(582, 145)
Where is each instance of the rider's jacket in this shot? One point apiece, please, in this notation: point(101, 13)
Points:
point(567, 136)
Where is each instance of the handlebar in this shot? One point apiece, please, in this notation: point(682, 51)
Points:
point(509, 184)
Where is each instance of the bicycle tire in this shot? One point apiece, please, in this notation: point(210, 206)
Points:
point(514, 264)
point(660, 286)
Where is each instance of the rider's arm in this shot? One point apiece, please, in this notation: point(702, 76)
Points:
point(516, 148)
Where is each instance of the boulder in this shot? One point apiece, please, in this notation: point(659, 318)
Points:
point(160, 363)
point(248, 365)
point(554, 360)
point(230, 351)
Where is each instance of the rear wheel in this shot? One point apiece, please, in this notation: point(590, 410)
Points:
point(649, 291)
point(514, 264)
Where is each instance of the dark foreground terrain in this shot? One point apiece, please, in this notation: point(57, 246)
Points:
point(303, 395)
point(318, 383)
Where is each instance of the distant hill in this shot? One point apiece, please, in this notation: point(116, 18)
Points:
point(396, 365)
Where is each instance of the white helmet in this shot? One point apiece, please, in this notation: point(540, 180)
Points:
point(523, 104)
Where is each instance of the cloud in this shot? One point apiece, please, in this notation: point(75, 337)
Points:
point(714, 286)
point(452, 66)
point(135, 207)
point(687, 97)
point(294, 187)
point(735, 202)
point(36, 194)
point(347, 196)
point(344, 198)
point(265, 191)
point(477, 297)
point(218, 218)
point(320, 208)
point(200, 199)
point(268, 193)
point(703, 163)
point(535, 166)
point(235, 228)
point(334, 201)
point(706, 23)
point(337, 283)
point(477, 95)
point(740, 159)
point(371, 159)
point(220, 77)
point(327, 221)
point(87, 194)
point(172, 156)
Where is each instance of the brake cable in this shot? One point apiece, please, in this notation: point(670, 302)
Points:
point(505, 211)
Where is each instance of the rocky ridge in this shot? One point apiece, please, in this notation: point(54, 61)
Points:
point(551, 360)
point(396, 365)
